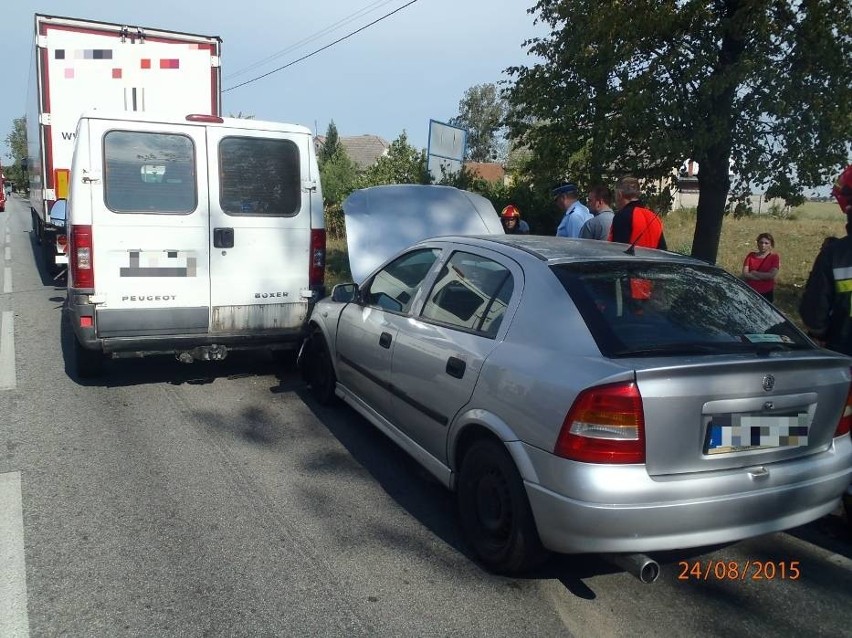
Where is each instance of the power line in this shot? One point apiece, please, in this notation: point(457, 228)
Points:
point(329, 29)
point(327, 46)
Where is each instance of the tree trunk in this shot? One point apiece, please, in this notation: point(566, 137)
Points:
point(714, 184)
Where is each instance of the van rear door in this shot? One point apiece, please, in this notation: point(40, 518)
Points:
point(149, 227)
point(260, 232)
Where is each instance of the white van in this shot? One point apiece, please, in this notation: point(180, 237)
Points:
point(190, 236)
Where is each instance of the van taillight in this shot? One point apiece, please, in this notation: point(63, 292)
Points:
point(316, 277)
point(606, 424)
point(845, 423)
point(80, 257)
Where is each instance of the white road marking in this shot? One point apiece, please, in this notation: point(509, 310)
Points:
point(8, 252)
point(13, 573)
point(7, 279)
point(8, 380)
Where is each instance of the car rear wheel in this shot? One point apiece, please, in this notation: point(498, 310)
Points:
point(319, 370)
point(87, 363)
point(494, 511)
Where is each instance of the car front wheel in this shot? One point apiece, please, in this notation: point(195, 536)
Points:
point(319, 370)
point(494, 511)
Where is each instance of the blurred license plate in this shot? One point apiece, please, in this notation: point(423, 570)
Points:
point(741, 432)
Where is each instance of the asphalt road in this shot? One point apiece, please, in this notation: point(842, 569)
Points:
point(221, 500)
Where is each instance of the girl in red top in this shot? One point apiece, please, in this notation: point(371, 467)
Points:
point(761, 267)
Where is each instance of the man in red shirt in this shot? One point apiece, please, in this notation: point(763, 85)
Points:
point(634, 224)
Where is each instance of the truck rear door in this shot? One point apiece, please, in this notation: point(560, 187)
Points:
point(260, 233)
point(150, 227)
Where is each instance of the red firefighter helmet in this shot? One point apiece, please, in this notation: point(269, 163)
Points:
point(842, 190)
point(511, 211)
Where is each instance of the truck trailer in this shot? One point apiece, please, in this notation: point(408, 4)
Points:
point(81, 65)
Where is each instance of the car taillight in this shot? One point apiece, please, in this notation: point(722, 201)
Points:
point(845, 423)
point(80, 258)
point(316, 277)
point(606, 424)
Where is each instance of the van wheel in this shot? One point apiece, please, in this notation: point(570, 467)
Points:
point(87, 363)
point(319, 370)
point(494, 511)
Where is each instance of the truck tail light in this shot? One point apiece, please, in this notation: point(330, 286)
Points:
point(317, 266)
point(81, 257)
point(62, 243)
point(845, 423)
point(606, 424)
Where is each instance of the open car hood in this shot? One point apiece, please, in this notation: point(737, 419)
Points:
point(383, 220)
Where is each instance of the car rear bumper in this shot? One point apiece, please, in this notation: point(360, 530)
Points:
point(718, 508)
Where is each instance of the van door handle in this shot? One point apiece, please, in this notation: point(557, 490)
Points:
point(223, 237)
point(456, 367)
point(385, 340)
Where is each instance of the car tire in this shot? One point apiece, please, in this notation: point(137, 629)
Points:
point(319, 370)
point(87, 363)
point(494, 511)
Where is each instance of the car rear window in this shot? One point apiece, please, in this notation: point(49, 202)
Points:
point(649, 309)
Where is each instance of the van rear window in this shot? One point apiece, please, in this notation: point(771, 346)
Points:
point(149, 173)
point(259, 177)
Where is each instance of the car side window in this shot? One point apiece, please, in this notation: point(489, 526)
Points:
point(471, 292)
point(394, 286)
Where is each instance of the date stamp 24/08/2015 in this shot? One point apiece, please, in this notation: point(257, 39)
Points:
point(738, 570)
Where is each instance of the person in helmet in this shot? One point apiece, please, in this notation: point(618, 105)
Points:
point(512, 222)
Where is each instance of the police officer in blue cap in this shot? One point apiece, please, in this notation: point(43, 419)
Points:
point(576, 214)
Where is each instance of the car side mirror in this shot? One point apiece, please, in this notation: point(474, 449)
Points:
point(344, 293)
point(59, 212)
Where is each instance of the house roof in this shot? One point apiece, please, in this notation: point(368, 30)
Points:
point(488, 171)
point(364, 150)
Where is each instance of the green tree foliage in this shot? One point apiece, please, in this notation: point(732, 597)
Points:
point(331, 146)
point(403, 164)
point(339, 177)
point(17, 141)
point(535, 204)
point(482, 112)
point(760, 86)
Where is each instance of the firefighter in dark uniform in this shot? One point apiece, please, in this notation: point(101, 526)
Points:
point(826, 306)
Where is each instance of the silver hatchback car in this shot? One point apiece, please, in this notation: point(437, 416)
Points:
point(580, 396)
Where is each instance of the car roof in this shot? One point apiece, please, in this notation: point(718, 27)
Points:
point(562, 249)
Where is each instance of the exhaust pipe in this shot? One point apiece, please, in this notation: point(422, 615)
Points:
point(643, 567)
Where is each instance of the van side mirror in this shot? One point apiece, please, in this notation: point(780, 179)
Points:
point(58, 213)
point(344, 293)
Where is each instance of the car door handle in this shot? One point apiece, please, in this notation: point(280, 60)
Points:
point(223, 237)
point(456, 367)
point(385, 340)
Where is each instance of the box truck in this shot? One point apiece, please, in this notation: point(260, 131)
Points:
point(84, 64)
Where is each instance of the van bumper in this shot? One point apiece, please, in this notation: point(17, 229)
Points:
point(84, 323)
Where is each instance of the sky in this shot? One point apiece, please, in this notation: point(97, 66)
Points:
point(395, 75)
